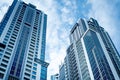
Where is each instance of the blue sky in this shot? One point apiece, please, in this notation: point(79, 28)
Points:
point(63, 14)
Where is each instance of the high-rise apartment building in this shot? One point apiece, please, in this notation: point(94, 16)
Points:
point(22, 43)
point(91, 54)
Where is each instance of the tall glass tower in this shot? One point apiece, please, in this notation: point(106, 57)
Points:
point(22, 43)
point(92, 54)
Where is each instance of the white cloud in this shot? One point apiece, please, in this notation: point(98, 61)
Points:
point(105, 13)
point(65, 10)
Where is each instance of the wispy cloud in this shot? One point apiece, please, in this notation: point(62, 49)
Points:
point(107, 13)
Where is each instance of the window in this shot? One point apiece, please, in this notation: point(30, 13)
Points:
point(27, 74)
point(6, 39)
point(35, 64)
point(30, 55)
point(1, 69)
point(32, 45)
point(31, 51)
point(6, 57)
point(13, 37)
point(8, 49)
point(34, 72)
point(30, 58)
point(28, 66)
point(33, 77)
point(11, 43)
point(3, 65)
point(29, 62)
point(12, 40)
point(10, 46)
point(5, 61)
point(14, 34)
point(8, 53)
point(28, 70)
point(1, 75)
point(26, 78)
point(34, 68)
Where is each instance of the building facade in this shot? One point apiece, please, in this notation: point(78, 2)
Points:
point(22, 43)
point(62, 72)
point(92, 54)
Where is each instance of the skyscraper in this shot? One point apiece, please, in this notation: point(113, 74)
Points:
point(22, 43)
point(91, 54)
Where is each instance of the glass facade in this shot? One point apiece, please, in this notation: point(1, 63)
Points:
point(42, 57)
point(113, 53)
point(23, 55)
point(99, 64)
point(91, 53)
point(20, 52)
point(43, 73)
point(82, 61)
